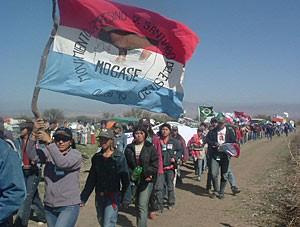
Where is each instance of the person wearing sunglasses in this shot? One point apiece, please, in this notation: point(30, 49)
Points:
point(62, 168)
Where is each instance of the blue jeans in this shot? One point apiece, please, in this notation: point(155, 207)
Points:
point(198, 165)
point(142, 205)
point(32, 201)
point(216, 165)
point(62, 216)
point(107, 210)
point(231, 178)
point(129, 194)
point(170, 190)
point(157, 201)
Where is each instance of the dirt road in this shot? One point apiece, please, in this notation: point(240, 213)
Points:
point(193, 206)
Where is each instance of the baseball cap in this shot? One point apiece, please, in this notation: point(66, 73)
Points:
point(106, 133)
point(62, 131)
point(221, 119)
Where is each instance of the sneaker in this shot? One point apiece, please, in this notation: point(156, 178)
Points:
point(235, 190)
point(171, 207)
point(220, 196)
point(198, 178)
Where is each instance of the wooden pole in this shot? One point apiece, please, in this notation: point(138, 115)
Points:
point(36, 92)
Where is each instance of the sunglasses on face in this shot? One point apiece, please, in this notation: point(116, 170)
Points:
point(59, 138)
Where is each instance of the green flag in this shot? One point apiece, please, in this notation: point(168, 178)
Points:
point(205, 112)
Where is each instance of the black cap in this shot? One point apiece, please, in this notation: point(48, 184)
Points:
point(63, 131)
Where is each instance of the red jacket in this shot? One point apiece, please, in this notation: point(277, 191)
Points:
point(195, 146)
point(156, 144)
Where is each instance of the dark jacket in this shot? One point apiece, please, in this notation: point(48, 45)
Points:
point(212, 140)
point(148, 160)
point(107, 175)
point(185, 151)
point(172, 150)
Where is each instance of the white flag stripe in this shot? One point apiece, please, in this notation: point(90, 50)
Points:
point(75, 42)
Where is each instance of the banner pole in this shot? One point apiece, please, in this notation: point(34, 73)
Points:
point(36, 92)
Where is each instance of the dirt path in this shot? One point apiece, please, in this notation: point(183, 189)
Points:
point(193, 206)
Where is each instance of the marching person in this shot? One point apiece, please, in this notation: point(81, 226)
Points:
point(93, 133)
point(119, 137)
point(12, 185)
point(196, 147)
point(143, 165)
point(213, 124)
point(220, 160)
point(62, 168)
point(185, 156)
point(171, 152)
point(110, 178)
point(156, 198)
point(32, 176)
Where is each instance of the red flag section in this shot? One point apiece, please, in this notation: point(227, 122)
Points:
point(242, 116)
point(130, 27)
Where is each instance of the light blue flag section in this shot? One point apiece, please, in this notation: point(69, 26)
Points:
point(81, 65)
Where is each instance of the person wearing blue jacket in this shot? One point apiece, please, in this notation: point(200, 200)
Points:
point(12, 185)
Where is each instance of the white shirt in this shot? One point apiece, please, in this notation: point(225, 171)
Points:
point(221, 136)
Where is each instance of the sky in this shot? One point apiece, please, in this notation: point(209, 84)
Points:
point(249, 51)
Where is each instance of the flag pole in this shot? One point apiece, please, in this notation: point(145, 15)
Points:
point(36, 92)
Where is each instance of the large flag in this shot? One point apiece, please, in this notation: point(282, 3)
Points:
point(119, 54)
point(205, 112)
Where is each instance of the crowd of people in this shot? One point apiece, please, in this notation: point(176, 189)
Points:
point(143, 172)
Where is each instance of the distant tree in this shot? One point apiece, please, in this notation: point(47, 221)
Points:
point(162, 118)
point(107, 115)
point(137, 113)
point(54, 115)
